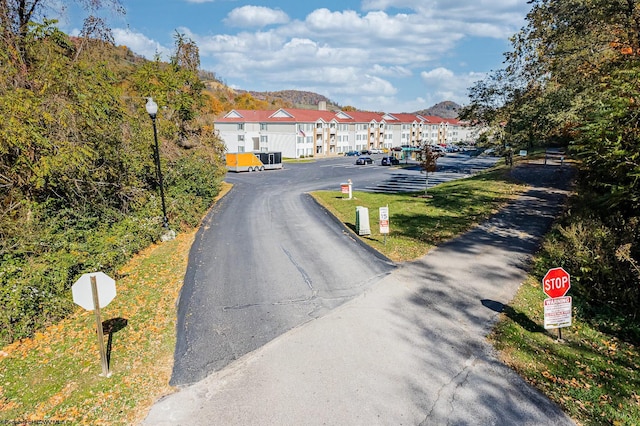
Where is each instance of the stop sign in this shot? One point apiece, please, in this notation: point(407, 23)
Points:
point(556, 282)
point(83, 296)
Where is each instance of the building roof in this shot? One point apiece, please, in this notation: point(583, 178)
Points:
point(295, 115)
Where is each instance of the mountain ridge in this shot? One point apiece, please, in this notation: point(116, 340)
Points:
point(310, 100)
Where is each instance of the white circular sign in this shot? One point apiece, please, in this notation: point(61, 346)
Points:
point(105, 285)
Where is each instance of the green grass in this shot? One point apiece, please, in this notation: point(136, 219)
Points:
point(55, 376)
point(593, 375)
point(298, 160)
point(417, 224)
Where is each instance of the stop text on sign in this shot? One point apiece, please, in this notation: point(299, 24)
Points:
point(556, 282)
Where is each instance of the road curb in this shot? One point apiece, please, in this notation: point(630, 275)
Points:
point(350, 232)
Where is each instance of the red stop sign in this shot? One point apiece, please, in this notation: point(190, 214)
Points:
point(556, 283)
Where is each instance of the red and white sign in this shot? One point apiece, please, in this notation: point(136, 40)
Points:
point(384, 220)
point(557, 312)
point(556, 283)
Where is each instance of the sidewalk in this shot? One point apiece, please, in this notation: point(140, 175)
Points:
point(411, 350)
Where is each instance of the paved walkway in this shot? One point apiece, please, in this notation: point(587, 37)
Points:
point(411, 350)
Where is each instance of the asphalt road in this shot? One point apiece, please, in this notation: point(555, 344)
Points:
point(411, 349)
point(268, 259)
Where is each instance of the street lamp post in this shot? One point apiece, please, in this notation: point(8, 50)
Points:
point(152, 109)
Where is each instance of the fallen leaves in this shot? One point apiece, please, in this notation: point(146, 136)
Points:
point(66, 354)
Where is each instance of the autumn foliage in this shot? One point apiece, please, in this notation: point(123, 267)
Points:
point(78, 189)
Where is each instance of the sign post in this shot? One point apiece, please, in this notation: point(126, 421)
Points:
point(346, 189)
point(96, 310)
point(384, 222)
point(557, 308)
point(85, 293)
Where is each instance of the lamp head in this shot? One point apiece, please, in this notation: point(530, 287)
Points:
point(152, 107)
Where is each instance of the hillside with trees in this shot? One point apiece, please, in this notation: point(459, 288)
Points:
point(296, 99)
point(571, 80)
point(79, 190)
point(445, 109)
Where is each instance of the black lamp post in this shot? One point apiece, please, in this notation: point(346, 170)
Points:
point(152, 109)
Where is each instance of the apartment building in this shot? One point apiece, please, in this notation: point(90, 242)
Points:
point(299, 133)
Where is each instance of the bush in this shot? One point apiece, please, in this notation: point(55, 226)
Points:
point(37, 275)
point(600, 254)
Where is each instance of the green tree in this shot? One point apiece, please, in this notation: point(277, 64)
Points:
point(572, 79)
point(16, 16)
point(77, 183)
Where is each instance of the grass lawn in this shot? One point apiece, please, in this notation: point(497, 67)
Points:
point(54, 376)
point(417, 224)
point(593, 374)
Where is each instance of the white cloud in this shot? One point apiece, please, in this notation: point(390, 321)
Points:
point(438, 74)
point(140, 44)
point(394, 55)
point(342, 54)
point(444, 84)
point(391, 71)
point(487, 18)
point(386, 4)
point(255, 17)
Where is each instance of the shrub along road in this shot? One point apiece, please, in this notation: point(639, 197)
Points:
point(410, 349)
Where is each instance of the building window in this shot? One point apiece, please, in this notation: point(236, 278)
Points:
point(264, 139)
point(240, 126)
point(240, 138)
point(263, 126)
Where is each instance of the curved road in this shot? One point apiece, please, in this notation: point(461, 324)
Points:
point(268, 259)
point(411, 349)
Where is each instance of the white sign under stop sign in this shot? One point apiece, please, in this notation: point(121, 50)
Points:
point(95, 291)
point(83, 296)
point(384, 220)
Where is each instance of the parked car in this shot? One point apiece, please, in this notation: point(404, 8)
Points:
point(364, 160)
point(376, 151)
point(365, 152)
point(352, 154)
point(389, 161)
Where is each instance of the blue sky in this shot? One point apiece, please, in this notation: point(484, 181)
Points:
point(382, 55)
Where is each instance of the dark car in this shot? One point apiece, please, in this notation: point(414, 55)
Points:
point(389, 161)
point(365, 152)
point(364, 160)
point(352, 154)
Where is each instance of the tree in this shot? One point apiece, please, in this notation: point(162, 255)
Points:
point(428, 162)
point(77, 188)
point(17, 15)
point(572, 79)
